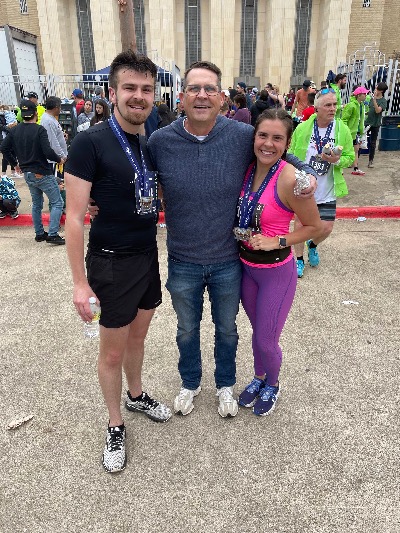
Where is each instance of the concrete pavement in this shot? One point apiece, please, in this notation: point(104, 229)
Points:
point(325, 461)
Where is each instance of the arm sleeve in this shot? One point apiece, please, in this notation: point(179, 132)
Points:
point(56, 145)
point(300, 165)
point(81, 160)
point(47, 149)
point(346, 114)
point(348, 155)
point(7, 149)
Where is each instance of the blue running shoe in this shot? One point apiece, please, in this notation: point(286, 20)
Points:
point(248, 397)
point(313, 257)
point(300, 268)
point(266, 401)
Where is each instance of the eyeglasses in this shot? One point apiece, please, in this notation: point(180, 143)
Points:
point(210, 90)
point(326, 91)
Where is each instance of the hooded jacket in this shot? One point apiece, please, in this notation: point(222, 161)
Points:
point(335, 87)
point(301, 139)
point(257, 108)
point(353, 116)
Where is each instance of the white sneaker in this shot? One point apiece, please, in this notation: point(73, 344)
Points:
point(228, 406)
point(184, 401)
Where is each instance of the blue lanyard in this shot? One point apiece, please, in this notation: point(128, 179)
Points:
point(247, 205)
point(144, 181)
point(320, 143)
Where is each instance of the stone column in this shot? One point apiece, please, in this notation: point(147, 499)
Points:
point(329, 36)
point(161, 36)
point(275, 42)
point(223, 34)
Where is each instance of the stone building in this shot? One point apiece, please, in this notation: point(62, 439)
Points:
point(257, 41)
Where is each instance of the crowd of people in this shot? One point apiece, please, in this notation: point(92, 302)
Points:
point(239, 250)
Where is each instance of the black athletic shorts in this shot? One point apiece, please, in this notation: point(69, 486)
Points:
point(124, 284)
point(327, 211)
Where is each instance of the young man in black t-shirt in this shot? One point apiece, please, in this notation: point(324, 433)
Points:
point(109, 163)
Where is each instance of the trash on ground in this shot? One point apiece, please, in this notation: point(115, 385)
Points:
point(350, 302)
point(361, 219)
point(162, 225)
point(17, 423)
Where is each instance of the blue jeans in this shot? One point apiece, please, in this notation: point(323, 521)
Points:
point(48, 186)
point(186, 284)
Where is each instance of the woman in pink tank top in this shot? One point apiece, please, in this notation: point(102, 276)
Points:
point(266, 206)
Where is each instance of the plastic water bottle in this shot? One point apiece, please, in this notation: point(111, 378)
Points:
point(92, 329)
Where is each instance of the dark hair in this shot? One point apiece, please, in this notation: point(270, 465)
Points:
point(52, 102)
point(165, 114)
point(206, 65)
point(264, 95)
point(240, 100)
point(104, 115)
point(276, 114)
point(269, 85)
point(339, 77)
point(130, 60)
point(382, 87)
point(311, 98)
point(89, 100)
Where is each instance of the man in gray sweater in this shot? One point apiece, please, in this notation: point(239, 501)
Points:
point(202, 160)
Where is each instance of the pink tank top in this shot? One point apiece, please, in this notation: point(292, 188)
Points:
point(271, 216)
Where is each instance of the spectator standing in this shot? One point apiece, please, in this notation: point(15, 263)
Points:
point(242, 89)
point(290, 97)
point(28, 146)
point(262, 104)
point(86, 116)
point(101, 112)
point(377, 105)
point(99, 94)
point(310, 110)
point(165, 115)
point(353, 116)
point(301, 100)
point(242, 113)
point(307, 144)
point(56, 138)
point(338, 85)
point(34, 98)
point(77, 96)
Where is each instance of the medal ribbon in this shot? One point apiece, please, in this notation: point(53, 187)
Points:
point(247, 205)
point(320, 143)
point(144, 182)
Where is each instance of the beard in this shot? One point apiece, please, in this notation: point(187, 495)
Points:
point(136, 119)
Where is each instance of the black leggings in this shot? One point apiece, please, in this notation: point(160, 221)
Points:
point(373, 137)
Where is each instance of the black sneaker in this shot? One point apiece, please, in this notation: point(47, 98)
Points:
point(2, 214)
point(42, 237)
point(55, 239)
point(114, 455)
point(14, 214)
point(150, 407)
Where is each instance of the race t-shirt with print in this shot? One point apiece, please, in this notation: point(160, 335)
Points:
point(325, 190)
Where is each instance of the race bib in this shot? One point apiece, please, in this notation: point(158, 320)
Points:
point(319, 166)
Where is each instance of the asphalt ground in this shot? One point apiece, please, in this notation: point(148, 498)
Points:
point(326, 460)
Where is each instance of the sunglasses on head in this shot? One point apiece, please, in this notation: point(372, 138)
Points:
point(326, 91)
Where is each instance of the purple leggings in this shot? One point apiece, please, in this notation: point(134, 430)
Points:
point(267, 296)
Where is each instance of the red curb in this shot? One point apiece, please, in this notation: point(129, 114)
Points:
point(381, 211)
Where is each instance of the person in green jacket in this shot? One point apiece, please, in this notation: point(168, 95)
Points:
point(311, 139)
point(33, 97)
point(338, 86)
point(353, 115)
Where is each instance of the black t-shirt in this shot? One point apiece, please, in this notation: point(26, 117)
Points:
point(97, 156)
